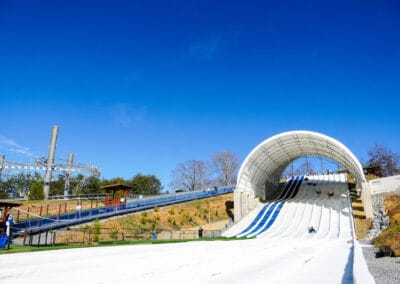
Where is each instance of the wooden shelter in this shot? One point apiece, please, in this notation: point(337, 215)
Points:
point(116, 194)
point(4, 209)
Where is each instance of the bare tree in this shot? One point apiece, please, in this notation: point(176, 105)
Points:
point(190, 175)
point(226, 166)
point(383, 160)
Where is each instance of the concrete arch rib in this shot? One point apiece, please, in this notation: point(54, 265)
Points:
point(264, 165)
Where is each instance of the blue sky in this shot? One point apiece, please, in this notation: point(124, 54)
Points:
point(140, 86)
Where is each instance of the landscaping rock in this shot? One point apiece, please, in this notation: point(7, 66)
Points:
point(385, 270)
point(380, 220)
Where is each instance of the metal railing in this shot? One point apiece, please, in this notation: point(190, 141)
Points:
point(86, 236)
point(78, 217)
point(79, 196)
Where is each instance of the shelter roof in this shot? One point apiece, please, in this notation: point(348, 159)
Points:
point(9, 204)
point(118, 187)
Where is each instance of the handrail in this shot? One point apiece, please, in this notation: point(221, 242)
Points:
point(77, 196)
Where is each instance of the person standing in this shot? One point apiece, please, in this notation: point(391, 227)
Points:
point(78, 210)
point(200, 233)
point(9, 222)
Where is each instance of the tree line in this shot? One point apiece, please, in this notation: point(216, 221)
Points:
point(31, 185)
point(187, 176)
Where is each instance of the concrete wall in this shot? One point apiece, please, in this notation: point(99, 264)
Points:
point(367, 200)
point(386, 184)
point(244, 203)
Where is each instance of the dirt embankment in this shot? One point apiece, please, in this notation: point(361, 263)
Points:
point(181, 216)
point(212, 214)
point(390, 238)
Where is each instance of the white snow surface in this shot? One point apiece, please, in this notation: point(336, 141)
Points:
point(246, 261)
point(286, 253)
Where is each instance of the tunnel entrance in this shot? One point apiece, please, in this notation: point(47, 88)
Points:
point(261, 171)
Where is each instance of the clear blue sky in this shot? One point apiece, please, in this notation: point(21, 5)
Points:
point(140, 86)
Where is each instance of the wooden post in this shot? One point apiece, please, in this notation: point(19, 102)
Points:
point(47, 209)
point(65, 207)
point(24, 241)
point(27, 213)
point(18, 216)
point(40, 211)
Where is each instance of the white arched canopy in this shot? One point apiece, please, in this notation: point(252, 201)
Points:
point(264, 166)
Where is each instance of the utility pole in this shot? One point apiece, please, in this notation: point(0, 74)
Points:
point(50, 161)
point(68, 174)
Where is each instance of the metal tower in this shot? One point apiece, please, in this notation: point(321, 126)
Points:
point(48, 165)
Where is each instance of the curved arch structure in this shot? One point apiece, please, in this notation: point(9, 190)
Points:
point(260, 172)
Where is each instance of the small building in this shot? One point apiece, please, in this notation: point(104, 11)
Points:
point(116, 194)
point(373, 170)
point(4, 209)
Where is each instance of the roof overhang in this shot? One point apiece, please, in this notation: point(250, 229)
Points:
point(266, 162)
point(118, 186)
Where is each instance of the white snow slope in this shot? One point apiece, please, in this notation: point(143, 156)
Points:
point(286, 253)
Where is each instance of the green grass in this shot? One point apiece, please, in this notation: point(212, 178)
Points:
point(20, 249)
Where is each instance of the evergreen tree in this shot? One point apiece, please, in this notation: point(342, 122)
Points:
point(36, 192)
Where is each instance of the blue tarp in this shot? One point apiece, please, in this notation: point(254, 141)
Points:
point(3, 240)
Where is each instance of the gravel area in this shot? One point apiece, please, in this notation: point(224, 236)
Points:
point(385, 270)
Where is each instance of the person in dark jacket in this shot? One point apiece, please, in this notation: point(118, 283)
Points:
point(200, 232)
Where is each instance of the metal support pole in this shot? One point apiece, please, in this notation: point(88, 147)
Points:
point(68, 174)
point(307, 166)
point(2, 158)
point(322, 166)
point(292, 168)
point(50, 161)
